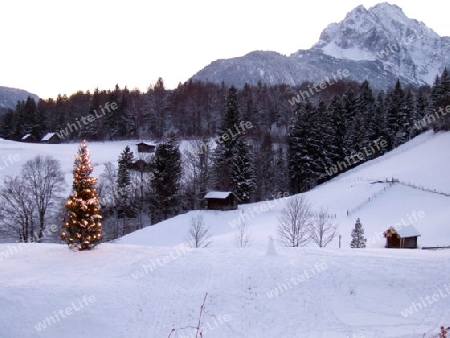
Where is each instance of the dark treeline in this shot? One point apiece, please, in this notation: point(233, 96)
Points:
point(193, 109)
point(293, 147)
point(328, 138)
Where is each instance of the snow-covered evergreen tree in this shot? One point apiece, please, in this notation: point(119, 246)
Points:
point(307, 160)
point(82, 228)
point(264, 169)
point(233, 165)
point(358, 239)
point(396, 116)
point(166, 166)
point(124, 192)
point(126, 207)
point(226, 144)
point(243, 171)
point(441, 99)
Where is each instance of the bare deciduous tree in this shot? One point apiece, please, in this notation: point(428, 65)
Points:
point(294, 223)
point(242, 236)
point(323, 229)
point(107, 191)
point(198, 235)
point(44, 179)
point(17, 210)
point(196, 172)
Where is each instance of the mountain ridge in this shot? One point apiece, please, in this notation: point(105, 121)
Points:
point(9, 96)
point(379, 44)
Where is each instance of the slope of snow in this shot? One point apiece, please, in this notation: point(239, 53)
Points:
point(354, 53)
point(422, 162)
point(149, 282)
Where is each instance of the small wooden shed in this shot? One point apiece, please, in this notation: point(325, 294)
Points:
point(51, 138)
point(221, 200)
point(146, 147)
point(401, 237)
point(28, 138)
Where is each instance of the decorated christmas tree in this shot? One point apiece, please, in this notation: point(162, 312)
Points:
point(82, 227)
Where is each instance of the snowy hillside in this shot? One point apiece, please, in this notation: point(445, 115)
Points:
point(149, 283)
point(421, 163)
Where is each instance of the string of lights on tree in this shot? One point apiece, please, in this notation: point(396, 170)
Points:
point(82, 226)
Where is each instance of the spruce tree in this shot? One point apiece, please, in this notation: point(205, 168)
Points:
point(125, 162)
point(82, 227)
point(233, 164)
point(226, 144)
point(166, 166)
point(307, 162)
point(243, 171)
point(396, 116)
point(339, 129)
point(264, 168)
point(358, 240)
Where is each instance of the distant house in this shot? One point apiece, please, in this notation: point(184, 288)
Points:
point(401, 237)
point(28, 138)
point(50, 138)
point(221, 200)
point(146, 147)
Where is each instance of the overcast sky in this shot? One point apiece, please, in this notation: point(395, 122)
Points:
point(50, 47)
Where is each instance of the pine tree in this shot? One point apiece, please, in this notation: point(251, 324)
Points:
point(226, 144)
point(379, 129)
point(365, 106)
point(233, 164)
point(338, 126)
point(396, 116)
point(441, 99)
point(264, 168)
point(307, 162)
point(166, 166)
point(358, 240)
point(82, 229)
point(349, 104)
point(243, 171)
point(125, 162)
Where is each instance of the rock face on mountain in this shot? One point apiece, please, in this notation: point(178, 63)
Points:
point(10, 96)
point(379, 44)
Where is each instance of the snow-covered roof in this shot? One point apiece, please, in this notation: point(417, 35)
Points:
point(48, 136)
point(26, 136)
point(218, 194)
point(406, 231)
point(147, 144)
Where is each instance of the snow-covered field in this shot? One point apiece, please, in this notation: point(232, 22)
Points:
point(148, 283)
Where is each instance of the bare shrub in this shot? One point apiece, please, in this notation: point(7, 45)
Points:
point(198, 235)
point(323, 229)
point(242, 236)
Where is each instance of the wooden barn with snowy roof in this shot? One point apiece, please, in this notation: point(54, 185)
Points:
point(221, 200)
point(401, 237)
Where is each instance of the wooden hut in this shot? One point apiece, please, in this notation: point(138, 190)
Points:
point(51, 138)
point(221, 200)
point(401, 237)
point(28, 138)
point(146, 147)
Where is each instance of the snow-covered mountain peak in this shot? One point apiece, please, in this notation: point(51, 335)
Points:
point(380, 44)
point(405, 46)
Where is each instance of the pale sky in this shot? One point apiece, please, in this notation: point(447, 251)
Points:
point(50, 47)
